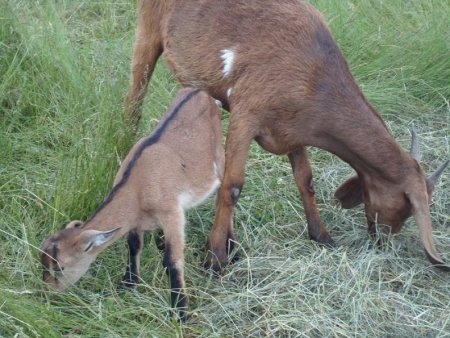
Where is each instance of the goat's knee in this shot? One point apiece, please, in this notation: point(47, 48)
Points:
point(232, 193)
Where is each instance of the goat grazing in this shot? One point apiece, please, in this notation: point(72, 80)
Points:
point(276, 67)
point(175, 168)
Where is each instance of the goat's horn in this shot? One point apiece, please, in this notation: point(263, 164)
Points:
point(434, 178)
point(422, 216)
point(415, 149)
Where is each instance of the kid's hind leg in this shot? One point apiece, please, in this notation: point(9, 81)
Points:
point(173, 226)
point(135, 243)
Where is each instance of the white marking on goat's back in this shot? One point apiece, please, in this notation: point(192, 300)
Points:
point(228, 59)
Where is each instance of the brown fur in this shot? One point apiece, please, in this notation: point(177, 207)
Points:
point(291, 88)
point(151, 190)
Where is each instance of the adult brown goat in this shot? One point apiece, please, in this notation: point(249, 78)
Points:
point(276, 67)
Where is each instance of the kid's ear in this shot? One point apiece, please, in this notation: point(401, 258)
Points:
point(90, 239)
point(350, 193)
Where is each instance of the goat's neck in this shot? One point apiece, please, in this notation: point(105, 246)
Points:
point(362, 139)
point(120, 210)
point(347, 125)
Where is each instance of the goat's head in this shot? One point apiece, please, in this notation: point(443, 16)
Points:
point(389, 206)
point(67, 255)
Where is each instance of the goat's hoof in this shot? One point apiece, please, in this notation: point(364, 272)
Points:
point(179, 307)
point(179, 314)
point(235, 258)
point(216, 266)
point(215, 259)
point(126, 285)
point(324, 239)
point(129, 281)
point(214, 262)
point(213, 265)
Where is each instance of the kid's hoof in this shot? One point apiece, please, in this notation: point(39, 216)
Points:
point(180, 315)
point(130, 281)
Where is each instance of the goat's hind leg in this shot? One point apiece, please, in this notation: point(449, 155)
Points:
point(135, 243)
point(302, 171)
point(147, 49)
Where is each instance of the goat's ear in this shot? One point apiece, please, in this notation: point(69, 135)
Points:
point(74, 224)
point(350, 193)
point(90, 239)
point(421, 212)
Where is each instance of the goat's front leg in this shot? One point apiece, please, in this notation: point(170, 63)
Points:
point(135, 243)
point(304, 180)
point(221, 239)
point(173, 226)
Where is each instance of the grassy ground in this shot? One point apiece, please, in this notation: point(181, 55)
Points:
point(64, 71)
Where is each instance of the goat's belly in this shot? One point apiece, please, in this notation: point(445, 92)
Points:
point(273, 145)
point(191, 198)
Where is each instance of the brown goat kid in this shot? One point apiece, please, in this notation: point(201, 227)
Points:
point(276, 67)
point(175, 168)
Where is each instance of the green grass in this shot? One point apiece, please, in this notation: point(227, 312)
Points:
point(64, 72)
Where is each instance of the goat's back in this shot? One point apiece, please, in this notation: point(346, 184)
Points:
point(272, 41)
point(182, 157)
